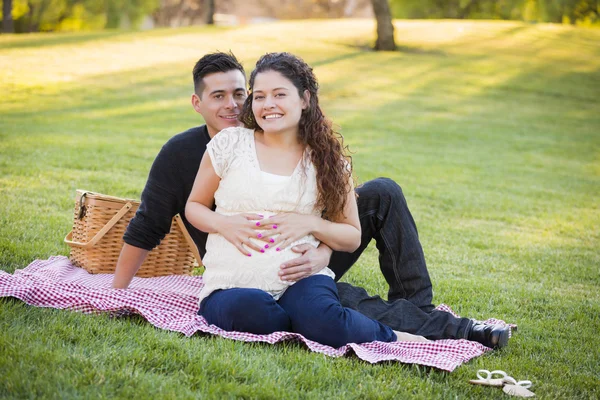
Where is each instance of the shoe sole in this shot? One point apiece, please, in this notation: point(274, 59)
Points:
point(503, 339)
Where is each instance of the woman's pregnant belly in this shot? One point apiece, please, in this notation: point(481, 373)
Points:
point(227, 267)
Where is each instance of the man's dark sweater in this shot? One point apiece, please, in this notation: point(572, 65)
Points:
point(168, 187)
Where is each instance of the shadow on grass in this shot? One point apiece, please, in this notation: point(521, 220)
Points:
point(114, 90)
point(421, 51)
point(331, 60)
point(466, 41)
point(365, 47)
point(40, 40)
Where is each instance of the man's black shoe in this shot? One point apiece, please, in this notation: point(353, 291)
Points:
point(494, 336)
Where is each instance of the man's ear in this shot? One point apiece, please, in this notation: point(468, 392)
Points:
point(196, 103)
point(305, 99)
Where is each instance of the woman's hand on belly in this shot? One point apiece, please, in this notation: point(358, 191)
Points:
point(239, 229)
point(283, 229)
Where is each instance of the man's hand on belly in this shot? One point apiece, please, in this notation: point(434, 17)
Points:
point(312, 260)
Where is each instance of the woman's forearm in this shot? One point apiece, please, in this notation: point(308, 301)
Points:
point(338, 236)
point(202, 217)
point(343, 234)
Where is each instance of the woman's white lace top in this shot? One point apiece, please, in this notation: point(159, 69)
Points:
point(244, 188)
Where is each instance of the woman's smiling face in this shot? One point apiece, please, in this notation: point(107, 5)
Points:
point(276, 104)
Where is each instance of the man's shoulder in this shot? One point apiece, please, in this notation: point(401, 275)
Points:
point(186, 147)
point(192, 138)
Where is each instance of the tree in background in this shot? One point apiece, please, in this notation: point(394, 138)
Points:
point(337, 8)
point(385, 27)
point(186, 12)
point(295, 9)
point(558, 11)
point(210, 12)
point(331, 8)
point(177, 12)
point(54, 15)
point(457, 9)
point(73, 15)
point(42, 14)
point(7, 21)
point(569, 11)
point(125, 12)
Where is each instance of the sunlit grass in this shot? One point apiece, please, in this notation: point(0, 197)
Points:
point(491, 128)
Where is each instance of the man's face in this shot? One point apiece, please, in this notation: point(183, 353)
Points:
point(221, 100)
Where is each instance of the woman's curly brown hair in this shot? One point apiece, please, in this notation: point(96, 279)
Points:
point(328, 153)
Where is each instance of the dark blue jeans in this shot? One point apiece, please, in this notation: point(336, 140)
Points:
point(385, 217)
point(310, 307)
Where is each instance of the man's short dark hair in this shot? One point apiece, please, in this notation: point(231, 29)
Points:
point(211, 63)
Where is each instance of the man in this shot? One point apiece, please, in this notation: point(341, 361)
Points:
point(219, 93)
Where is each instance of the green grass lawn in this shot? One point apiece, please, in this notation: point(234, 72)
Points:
point(491, 128)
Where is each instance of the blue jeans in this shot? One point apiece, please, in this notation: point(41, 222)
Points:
point(385, 217)
point(310, 307)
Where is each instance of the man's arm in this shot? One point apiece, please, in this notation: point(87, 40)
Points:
point(311, 260)
point(130, 260)
point(161, 200)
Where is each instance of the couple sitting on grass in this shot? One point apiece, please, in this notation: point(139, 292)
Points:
point(266, 190)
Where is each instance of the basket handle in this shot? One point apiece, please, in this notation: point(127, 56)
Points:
point(101, 232)
point(188, 239)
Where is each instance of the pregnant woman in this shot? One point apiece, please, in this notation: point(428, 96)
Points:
point(287, 163)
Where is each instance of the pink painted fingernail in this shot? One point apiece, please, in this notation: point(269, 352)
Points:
point(271, 240)
point(262, 250)
point(258, 224)
point(259, 235)
point(278, 249)
point(260, 215)
point(266, 246)
point(249, 255)
point(274, 226)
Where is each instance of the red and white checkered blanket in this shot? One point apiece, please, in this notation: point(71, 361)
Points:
point(171, 303)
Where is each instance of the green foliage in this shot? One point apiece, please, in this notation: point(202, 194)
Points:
point(133, 10)
point(585, 12)
point(491, 128)
point(461, 9)
point(75, 15)
point(569, 11)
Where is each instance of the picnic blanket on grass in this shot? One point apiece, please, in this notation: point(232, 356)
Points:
point(171, 302)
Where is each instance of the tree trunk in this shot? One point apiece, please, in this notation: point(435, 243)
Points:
point(385, 28)
point(210, 12)
point(31, 16)
point(466, 10)
point(7, 21)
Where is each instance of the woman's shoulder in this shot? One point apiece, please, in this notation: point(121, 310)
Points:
point(237, 132)
point(228, 145)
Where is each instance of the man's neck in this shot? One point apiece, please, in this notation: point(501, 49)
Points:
point(211, 131)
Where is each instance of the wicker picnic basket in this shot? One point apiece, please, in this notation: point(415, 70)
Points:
point(97, 238)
